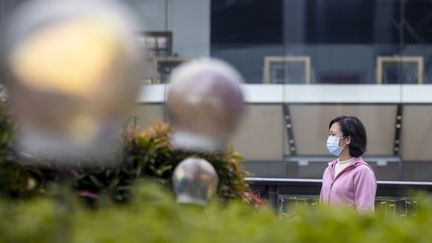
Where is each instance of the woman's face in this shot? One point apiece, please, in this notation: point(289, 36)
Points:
point(335, 130)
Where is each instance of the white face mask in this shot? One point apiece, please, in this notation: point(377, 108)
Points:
point(333, 145)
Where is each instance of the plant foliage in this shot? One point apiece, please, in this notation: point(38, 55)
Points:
point(147, 154)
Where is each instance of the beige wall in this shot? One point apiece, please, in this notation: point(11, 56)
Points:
point(262, 135)
point(148, 113)
point(310, 124)
point(259, 136)
point(416, 142)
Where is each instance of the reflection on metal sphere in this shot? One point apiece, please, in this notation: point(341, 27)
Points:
point(194, 181)
point(73, 74)
point(205, 104)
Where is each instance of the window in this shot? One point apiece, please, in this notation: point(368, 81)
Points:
point(157, 43)
point(287, 69)
point(399, 69)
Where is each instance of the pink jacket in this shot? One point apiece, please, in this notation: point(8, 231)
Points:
point(355, 186)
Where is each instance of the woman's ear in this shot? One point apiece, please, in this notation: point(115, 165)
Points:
point(347, 140)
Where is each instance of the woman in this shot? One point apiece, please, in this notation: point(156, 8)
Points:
point(348, 180)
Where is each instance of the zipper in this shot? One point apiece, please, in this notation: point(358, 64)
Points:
point(330, 190)
point(334, 178)
point(332, 174)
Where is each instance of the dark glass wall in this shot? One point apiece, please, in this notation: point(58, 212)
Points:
point(343, 39)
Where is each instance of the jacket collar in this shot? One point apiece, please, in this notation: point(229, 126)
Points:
point(357, 162)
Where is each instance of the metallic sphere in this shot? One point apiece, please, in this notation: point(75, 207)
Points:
point(204, 104)
point(72, 76)
point(194, 181)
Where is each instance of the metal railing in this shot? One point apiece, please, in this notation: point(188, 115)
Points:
point(285, 195)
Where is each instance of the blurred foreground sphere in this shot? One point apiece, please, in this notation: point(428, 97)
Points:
point(194, 181)
point(204, 104)
point(73, 73)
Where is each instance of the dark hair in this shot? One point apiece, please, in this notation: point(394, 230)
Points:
point(353, 128)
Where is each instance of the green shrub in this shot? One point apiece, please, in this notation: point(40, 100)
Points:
point(154, 216)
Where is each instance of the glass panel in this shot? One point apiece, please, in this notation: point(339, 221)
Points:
point(315, 60)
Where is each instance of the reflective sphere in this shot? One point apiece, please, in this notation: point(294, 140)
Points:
point(194, 181)
point(72, 75)
point(204, 104)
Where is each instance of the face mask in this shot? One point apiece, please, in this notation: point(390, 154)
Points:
point(333, 145)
